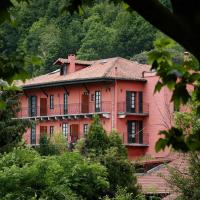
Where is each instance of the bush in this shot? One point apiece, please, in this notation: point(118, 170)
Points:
point(24, 174)
point(54, 145)
point(111, 153)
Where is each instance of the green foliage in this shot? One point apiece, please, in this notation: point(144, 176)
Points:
point(108, 149)
point(103, 30)
point(59, 141)
point(123, 194)
point(11, 131)
point(180, 77)
point(140, 58)
point(45, 147)
point(96, 139)
point(120, 171)
point(186, 183)
point(54, 145)
point(24, 174)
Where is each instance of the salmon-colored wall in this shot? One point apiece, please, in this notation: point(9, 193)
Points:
point(112, 93)
point(160, 113)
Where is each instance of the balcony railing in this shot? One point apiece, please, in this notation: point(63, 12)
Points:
point(70, 109)
point(141, 139)
point(138, 109)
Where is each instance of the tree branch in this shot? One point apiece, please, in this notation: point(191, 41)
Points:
point(171, 24)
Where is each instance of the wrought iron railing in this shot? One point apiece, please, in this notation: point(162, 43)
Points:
point(140, 138)
point(142, 108)
point(60, 109)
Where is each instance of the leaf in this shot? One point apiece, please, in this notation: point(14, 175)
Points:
point(158, 87)
point(2, 105)
point(161, 144)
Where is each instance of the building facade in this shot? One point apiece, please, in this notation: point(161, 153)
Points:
point(120, 91)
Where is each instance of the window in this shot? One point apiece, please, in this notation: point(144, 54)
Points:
point(51, 130)
point(65, 129)
point(135, 132)
point(63, 70)
point(131, 131)
point(32, 106)
point(65, 102)
point(130, 101)
point(51, 101)
point(33, 135)
point(97, 101)
point(85, 129)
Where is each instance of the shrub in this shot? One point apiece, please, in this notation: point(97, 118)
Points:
point(111, 153)
point(24, 174)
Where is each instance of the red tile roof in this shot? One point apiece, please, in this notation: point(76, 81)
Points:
point(80, 62)
point(153, 182)
point(111, 68)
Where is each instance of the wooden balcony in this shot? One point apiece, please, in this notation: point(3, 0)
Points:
point(68, 111)
point(137, 110)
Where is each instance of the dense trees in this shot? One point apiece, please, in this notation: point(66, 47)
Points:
point(24, 174)
point(103, 30)
point(11, 131)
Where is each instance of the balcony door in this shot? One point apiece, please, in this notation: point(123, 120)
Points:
point(97, 101)
point(135, 131)
point(85, 103)
point(130, 101)
point(43, 130)
point(131, 132)
point(74, 132)
point(32, 106)
point(43, 106)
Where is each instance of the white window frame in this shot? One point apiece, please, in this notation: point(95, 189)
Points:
point(85, 128)
point(65, 129)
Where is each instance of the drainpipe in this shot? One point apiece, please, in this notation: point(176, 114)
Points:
point(115, 101)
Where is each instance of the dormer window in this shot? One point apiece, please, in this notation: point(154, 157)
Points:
point(63, 69)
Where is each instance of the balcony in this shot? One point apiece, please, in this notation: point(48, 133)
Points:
point(138, 110)
point(140, 140)
point(69, 111)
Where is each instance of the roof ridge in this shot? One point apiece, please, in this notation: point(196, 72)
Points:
point(114, 61)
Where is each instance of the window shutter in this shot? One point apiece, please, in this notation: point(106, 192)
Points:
point(29, 106)
point(128, 101)
point(129, 127)
point(35, 105)
point(140, 130)
point(140, 102)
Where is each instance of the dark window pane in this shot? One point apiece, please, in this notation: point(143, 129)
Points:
point(33, 134)
point(65, 105)
point(51, 101)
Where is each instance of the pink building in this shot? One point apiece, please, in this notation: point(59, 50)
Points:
point(120, 91)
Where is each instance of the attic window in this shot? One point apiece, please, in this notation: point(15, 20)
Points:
point(63, 70)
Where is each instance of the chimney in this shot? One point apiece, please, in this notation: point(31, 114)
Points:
point(71, 67)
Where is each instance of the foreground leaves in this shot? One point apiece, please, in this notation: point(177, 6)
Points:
point(24, 174)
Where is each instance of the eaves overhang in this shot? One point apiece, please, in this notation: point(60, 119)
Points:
point(78, 81)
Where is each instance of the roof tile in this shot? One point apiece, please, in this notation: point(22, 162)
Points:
point(110, 68)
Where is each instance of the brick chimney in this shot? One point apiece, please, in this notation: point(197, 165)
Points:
point(71, 67)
